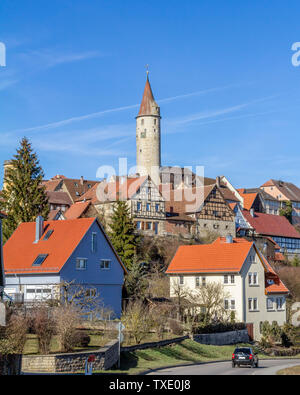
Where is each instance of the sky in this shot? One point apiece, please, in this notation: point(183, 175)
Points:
point(221, 72)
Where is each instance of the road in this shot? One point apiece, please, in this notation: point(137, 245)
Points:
point(266, 367)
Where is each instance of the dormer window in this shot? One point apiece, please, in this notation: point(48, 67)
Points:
point(48, 235)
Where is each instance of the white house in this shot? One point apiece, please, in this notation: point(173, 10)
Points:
point(255, 292)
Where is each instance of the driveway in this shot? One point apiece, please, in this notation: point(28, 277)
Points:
point(266, 367)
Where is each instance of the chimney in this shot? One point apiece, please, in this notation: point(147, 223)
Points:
point(81, 180)
point(39, 228)
point(252, 212)
point(218, 181)
point(229, 239)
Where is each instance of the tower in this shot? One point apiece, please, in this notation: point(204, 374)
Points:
point(148, 142)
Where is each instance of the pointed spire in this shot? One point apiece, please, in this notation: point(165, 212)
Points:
point(148, 105)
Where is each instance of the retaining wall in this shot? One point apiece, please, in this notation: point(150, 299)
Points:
point(105, 358)
point(224, 338)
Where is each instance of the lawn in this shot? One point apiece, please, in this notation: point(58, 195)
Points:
point(294, 371)
point(185, 352)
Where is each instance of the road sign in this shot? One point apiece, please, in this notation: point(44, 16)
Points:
point(121, 327)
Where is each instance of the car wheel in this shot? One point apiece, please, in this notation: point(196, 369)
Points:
point(253, 365)
point(233, 364)
point(257, 364)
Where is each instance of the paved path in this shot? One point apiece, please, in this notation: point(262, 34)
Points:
point(266, 367)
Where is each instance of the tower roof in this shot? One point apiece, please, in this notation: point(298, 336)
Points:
point(148, 105)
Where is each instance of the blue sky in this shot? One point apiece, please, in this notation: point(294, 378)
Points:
point(221, 72)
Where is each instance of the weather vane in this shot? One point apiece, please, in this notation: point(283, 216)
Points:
point(147, 69)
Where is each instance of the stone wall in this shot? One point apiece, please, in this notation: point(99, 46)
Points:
point(105, 358)
point(224, 338)
point(10, 365)
point(161, 343)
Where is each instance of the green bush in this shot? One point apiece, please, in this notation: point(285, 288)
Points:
point(218, 328)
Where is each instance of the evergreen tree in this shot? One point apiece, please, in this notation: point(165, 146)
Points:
point(23, 197)
point(122, 233)
point(135, 281)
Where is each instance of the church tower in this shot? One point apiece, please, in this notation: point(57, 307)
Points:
point(148, 143)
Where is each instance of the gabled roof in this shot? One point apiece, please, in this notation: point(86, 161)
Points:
point(77, 187)
point(77, 210)
point(59, 197)
point(288, 189)
point(148, 105)
point(90, 195)
point(249, 199)
point(271, 225)
point(55, 215)
point(218, 257)
point(122, 189)
point(20, 251)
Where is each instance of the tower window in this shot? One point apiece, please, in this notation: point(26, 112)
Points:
point(142, 122)
point(143, 135)
point(154, 121)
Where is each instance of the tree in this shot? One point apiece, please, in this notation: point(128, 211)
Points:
point(287, 211)
point(24, 197)
point(135, 281)
point(122, 233)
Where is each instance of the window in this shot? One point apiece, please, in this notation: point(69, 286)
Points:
point(181, 280)
point(105, 264)
point(139, 225)
point(48, 234)
point(232, 279)
point(252, 278)
point(40, 260)
point(94, 242)
point(226, 304)
point(157, 207)
point(255, 305)
point(252, 304)
point(81, 263)
point(149, 225)
point(232, 304)
point(203, 281)
point(279, 303)
point(148, 206)
point(142, 122)
point(226, 279)
point(197, 281)
point(156, 228)
point(139, 206)
point(270, 304)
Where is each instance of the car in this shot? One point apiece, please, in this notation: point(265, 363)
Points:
point(244, 356)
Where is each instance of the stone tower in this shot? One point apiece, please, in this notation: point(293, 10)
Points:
point(148, 143)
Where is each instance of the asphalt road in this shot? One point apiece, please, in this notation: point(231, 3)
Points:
point(266, 367)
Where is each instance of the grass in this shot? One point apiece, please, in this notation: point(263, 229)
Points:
point(185, 352)
point(294, 371)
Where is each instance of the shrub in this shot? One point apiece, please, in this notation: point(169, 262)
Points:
point(16, 332)
point(67, 319)
point(175, 327)
point(219, 327)
point(82, 339)
point(44, 328)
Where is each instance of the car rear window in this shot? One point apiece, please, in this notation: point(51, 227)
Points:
point(242, 350)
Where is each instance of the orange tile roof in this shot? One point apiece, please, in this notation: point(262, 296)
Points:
point(20, 251)
point(249, 199)
point(276, 287)
point(77, 210)
point(218, 257)
point(148, 105)
point(122, 190)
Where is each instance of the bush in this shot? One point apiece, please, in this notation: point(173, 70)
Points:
point(175, 327)
point(67, 320)
point(81, 339)
point(16, 332)
point(44, 327)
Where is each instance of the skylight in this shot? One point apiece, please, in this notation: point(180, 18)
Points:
point(48, 234)
point(39, 260)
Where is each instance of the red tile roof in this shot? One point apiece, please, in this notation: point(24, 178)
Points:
point(249, 199)
point(118, 190)
point(271, 225)
point(289, 190)
point(276, 287)
point(59, 197)
point(218, 257)
point(77, 210)
point(148, 105)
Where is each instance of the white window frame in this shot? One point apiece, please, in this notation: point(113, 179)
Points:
point(270, 301)
point(181, 280)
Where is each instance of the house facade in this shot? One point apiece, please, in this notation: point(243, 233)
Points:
point(253, 291)
point(40, 256)
point(285, 191)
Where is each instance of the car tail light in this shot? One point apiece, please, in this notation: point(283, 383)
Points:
point(233, 356)
point(250, 356)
